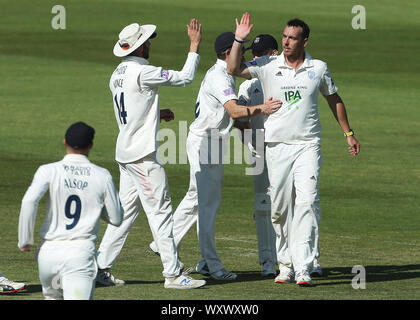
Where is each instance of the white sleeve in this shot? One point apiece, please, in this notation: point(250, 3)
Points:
point(156, 76)
point(112, 211)
point(244, 96)
point(254, 66)
point(224, 89)
point(326, 85)
point(35, 192)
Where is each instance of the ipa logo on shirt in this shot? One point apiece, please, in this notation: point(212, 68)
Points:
point(292, 96)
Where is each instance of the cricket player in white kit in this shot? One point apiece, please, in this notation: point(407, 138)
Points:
point(250, 94)
point(143, 183)
point(215, 111)
point(79, 194)
point(293, 139)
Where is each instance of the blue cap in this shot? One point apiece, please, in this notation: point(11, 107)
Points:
point(79, 135)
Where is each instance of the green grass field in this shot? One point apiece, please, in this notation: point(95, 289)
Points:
point(370, 204)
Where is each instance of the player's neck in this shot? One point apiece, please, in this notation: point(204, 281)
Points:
point(295, 61)
point(83, 152)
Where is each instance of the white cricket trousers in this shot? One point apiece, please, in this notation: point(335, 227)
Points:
point(293, 171)
point(205, 156)
point(143, 184)
point(67, 269)
point(186, 214)
point(262, 214)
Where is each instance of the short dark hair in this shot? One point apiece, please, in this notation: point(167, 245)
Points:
point(299, 23)
point(222, 56)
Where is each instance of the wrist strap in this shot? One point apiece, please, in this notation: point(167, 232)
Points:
point(348, 134)
point(239, 40)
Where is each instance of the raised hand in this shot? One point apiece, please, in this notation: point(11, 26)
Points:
point(243, 29)
point(194, 33)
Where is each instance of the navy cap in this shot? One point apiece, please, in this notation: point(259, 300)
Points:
point(263, 42)
point(79, 135)
point(223, 42)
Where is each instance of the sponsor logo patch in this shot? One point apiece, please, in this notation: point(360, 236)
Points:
point(228, 92)
point(165, 74)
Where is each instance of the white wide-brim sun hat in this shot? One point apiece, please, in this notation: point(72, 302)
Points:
point(132, 37)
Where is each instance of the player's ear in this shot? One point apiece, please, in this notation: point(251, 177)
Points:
point(275, 52)
point(65, 143)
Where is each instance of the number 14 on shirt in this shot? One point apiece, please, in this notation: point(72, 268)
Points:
point(122, 114)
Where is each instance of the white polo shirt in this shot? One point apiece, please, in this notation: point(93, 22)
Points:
point(217, 88)
point(297, 121)
point(134, 87)
point(78, 194)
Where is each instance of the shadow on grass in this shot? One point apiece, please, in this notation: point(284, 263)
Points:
point(343, 275)
point(338, 275)
point(130, 282)
point(243, 276)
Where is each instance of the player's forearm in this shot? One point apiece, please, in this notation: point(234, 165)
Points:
point(338, 109)
point(234, 61)
point(341, 116)
point(194, 46)
point(239, 112)
point(187, 74)
point(27, 223)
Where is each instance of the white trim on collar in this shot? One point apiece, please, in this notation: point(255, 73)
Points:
point(307, 63)
point(76, 157)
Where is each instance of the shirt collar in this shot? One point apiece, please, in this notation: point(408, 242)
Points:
point(76, 157)
point(139, 60)
point(307, 63)
point(221, 63)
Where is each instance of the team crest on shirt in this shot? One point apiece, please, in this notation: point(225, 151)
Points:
point(165, 74)
point(311, 74)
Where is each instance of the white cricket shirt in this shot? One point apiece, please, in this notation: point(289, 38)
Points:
point(78, 194)
point(217, 88)
point(297, 121)
point(134, 87)
point(251, 94)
